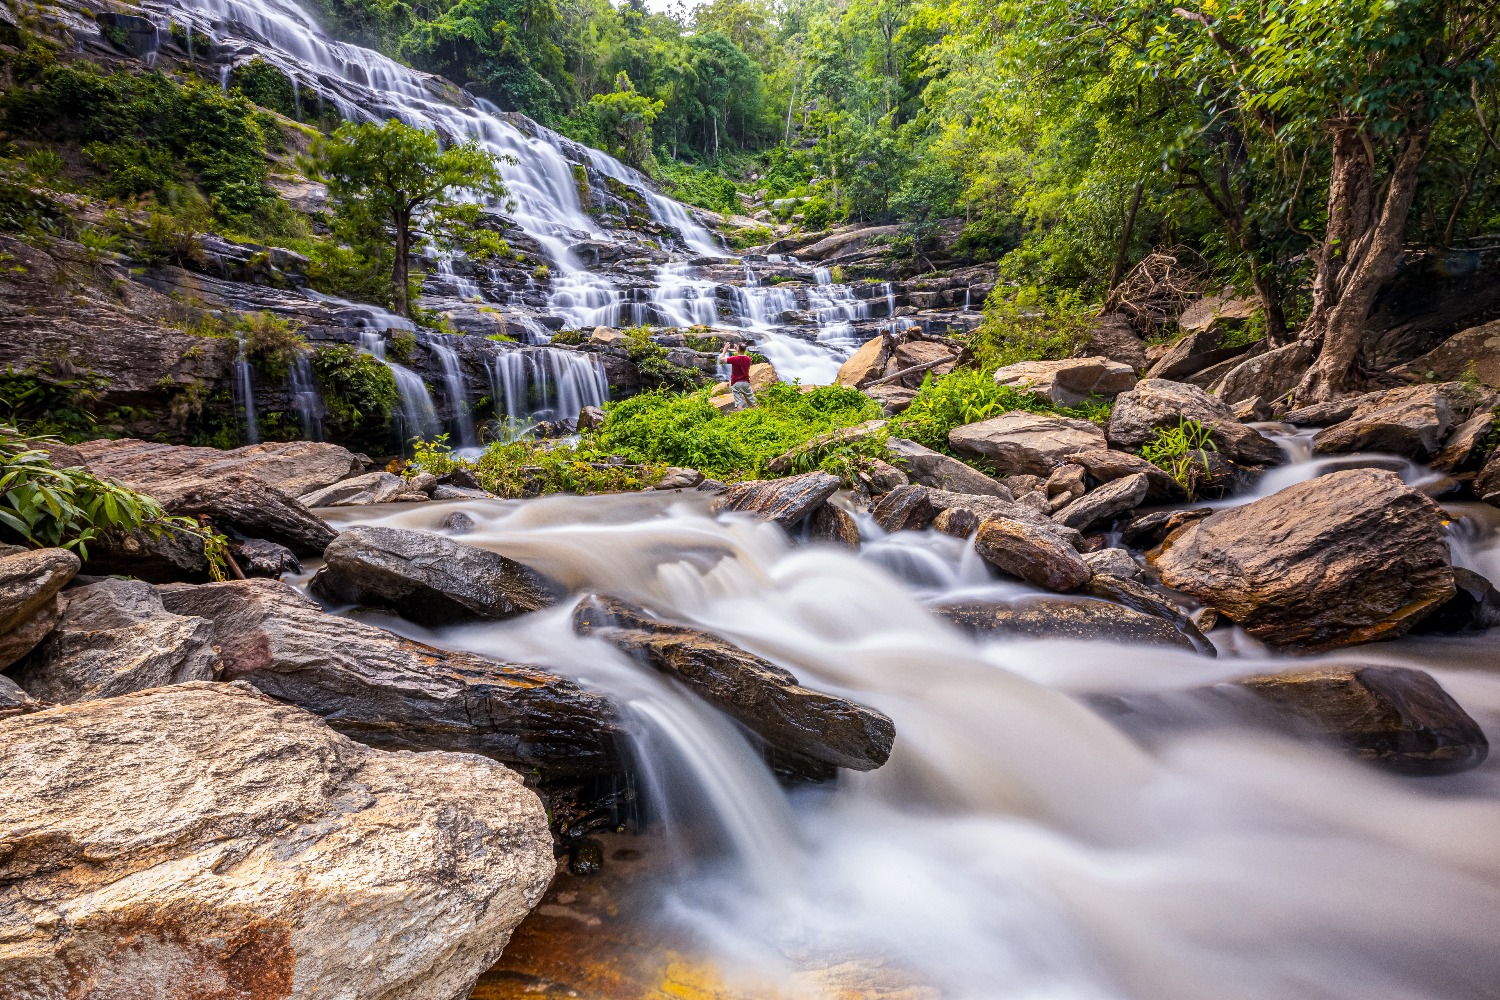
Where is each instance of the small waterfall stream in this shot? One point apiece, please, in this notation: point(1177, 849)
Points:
point(417, 416)
point(244, 391)
point(456, 390)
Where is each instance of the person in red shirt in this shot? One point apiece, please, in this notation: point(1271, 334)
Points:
point(739, 375)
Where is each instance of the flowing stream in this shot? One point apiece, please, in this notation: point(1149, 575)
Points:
point(1017, 845)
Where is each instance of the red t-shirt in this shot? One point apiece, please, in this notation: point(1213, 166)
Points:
point(739, 368)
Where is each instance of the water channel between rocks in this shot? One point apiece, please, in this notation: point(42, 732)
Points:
point(1017, 844)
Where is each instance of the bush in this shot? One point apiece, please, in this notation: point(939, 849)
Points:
point(687, 431)
point(47, 507)
point(526, 468)
point(1031, 326)
point(359, 392)
point(272, 342)
point(1182, 451)
point(43, 401)
point(698, 186)
point(969, 395)
point(754, 236)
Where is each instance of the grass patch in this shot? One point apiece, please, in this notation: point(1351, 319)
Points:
point(969, 395)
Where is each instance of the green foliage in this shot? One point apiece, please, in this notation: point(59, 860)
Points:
point(684, 430)
point(1182, 452)
point(149, 134)
point(359, 393)
point(698, 186)
point(751, 236)
point(50, 400)
point(261, 83)
point(1031, 326)
point(47, 507)
point(650, 359)
point(273, 343)
point(525, 468)
point(623, 119)
point(969, 395)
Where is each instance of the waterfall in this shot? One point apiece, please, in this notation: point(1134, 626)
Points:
point(455, 284)
point(682, 299)
point(417, 417)
point(307, 401)
point(663, 210)
point(456, 389)
point(545, 383)
point(244, 391)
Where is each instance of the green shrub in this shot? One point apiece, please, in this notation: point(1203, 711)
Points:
point(41, 400)
point(359, 392)
point(44, 506)
point(260, 82)
point(525, 468)
point(686, 431)
point(755, 236)
point(1031, 326)
point(698, 186)
point(272, 342)
point(1182, 451)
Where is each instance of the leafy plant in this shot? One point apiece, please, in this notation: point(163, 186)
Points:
point(48, 507)
point(1182, 452)
point(52, 399)
point(273, 342)
point(969, 395)
point(359, 393)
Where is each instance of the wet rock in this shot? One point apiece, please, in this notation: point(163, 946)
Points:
point(1026, 443)
point(879, 477)
point(831, 439)
point(866, 364)
point(258, 557)
point(1270, 376)
point(1476, 349)
point(1062, 618)
point(832, 523)
point(1474, 607)
point(1329, 413)
point(587, 858)
point(1349, 557)
point(944, 472)
point(1466, 447)
point(397, 694)
point(444, 492)
point(294, 467)
point(1112, 562)
point(1135, 595)
point(913, 507)
point(590, 418)
point(1396, 717)
point(1106, 465)
point(678, 479)
point(427, 578)
point(29, 583)
point(712, 486)
point(1149, 530)
point(459, 523)
point(166, 843)
point(14, 701)
point(1107, 501)
point(1487, 483)
point(1070, 381)
point(115, 637)
point(1411, 421)
point(1032, 552)
point(1252, 409)
point(959, 522)
point(373, 487)
point(1158, 403)
point(785, 501)
point(763, 697)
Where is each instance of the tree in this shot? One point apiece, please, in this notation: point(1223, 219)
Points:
point(624, 118)
point(398, 176)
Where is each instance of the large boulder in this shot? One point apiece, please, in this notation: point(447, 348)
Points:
point(372, 487)
point(1111, 499)
point(1062, 618)
point(1476, 349)
point(795, 721)
point(246, 506)
point(1467, 445)
point(1396, 717)
point(115, 638)
point(204, 841)
point(865, 365)
point(1158, 403)
point(1036, 553)
point(427, 578)
point(784, 501)
point(1412, 421)
point(294, 467)
point(1192, 354)
point(1267, 376)
point(1070, 381)
point(29, 582)
point(944, 472)
point(914, 359)
point(1026, 443)
point(397, 694)
point(914, 507)
point(1114, 337)
point(1346, 558)
point(1107, 465)
point(1218, 312)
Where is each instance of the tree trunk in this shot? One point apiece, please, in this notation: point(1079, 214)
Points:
point(1360, 254)
point(1268, 290)
point(398, 272)
point(1122, 253)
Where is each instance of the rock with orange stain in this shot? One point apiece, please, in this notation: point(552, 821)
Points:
point(204, 841)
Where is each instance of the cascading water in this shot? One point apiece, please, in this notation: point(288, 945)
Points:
point(307, 401)
point(417, 417)
point(456, 389)
point(244, 391)
point(1016, 846)
point(545, 384)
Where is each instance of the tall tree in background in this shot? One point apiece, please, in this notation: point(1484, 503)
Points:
point(394, 175)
